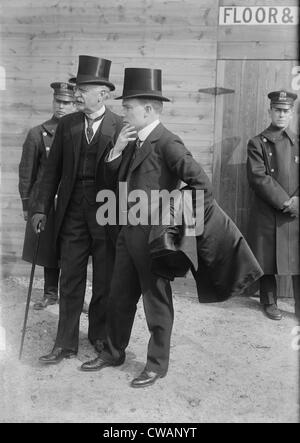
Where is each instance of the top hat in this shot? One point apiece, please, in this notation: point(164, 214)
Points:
point(94, 71)
point(63, 91)
point(142, 82)
point(282, 99)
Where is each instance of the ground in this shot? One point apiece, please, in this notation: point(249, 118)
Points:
point(229, 363)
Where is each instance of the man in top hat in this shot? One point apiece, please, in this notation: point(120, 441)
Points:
point(273, 175)
point(148, 157)
point(74, 170)
point(36, 149)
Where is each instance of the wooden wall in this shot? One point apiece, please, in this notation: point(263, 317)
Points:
point(41, 41)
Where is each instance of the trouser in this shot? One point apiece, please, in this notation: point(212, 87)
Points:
point(80, 237)
point(51, 276)
point(268, 291)
point(131, 276)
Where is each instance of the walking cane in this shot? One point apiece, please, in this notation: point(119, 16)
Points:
point(29, 290)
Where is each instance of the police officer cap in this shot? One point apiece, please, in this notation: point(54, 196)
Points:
point(63, 91)
point(282, 99)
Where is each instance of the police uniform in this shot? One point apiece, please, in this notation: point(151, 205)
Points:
point(273, 175)
point(36, 149)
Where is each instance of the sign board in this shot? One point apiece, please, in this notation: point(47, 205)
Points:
point(258, 15)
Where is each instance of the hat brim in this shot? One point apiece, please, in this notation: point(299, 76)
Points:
point(142, 95)
point(282, 105)
point(65, 98)
point(92, 82)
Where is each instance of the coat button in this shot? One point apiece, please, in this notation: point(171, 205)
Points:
point(47, 148)
point(270, 154)
point(272, 170)
point(264, 140)
point(44, 134)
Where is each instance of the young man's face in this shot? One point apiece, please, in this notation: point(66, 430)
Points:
point(135, 113)
point(61, 107)
point(90, 98)
point(281, 118)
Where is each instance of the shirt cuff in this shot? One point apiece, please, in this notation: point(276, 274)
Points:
point(111, 156)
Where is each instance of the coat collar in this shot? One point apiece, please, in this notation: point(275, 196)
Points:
point(50, 125)
point(272, 134)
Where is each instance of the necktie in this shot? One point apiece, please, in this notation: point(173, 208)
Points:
point(137, 146)
point(89, 129)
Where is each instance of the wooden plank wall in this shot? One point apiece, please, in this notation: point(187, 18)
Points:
point(40, 43)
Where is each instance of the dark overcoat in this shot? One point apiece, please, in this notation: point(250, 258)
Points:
point(36, 149)
point(62, 165)
point(273, 175)
point(225, 265)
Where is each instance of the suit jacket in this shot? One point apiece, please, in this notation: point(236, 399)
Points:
point(62, 165)
point(161, 163)
point(273, 175)
point(36, 150)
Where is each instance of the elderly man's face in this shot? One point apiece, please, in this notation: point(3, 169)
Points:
point(90, 98)
point(281, 118)
point(62, 107)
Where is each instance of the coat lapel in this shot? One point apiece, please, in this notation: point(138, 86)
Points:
point(147, 147)
point(77, 128)
point(105, 134)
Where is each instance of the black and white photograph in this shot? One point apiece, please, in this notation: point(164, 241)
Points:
point(150, 276)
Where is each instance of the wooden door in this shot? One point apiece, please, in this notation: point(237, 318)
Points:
point(242, 112)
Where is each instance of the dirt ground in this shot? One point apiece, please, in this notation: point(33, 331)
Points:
point(229, 363)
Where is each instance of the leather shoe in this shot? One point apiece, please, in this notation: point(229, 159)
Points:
point(42, 304)
point(272, 312)
point(101, 362)
point(56, 356)
point(146, 378)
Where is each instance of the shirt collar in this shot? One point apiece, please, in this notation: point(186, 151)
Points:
point(145, 132)
point(97, 113)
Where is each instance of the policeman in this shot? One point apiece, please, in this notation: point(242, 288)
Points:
point(273, 175)
point(36, 149)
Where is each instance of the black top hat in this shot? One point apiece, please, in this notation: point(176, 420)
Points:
point(63, 91)
point(142, 82)
point(282, 99)
point(93, 70)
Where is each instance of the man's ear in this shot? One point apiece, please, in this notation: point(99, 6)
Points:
point(148, 108)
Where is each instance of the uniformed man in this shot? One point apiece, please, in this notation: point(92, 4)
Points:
point(273, 174)
point(36, 149)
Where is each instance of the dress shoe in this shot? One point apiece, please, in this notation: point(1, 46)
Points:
point(272, 312)
point(56, 356)
point(103, 361)
point(42, 304)
point(146, 378)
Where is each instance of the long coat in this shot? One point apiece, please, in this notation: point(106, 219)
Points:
point(273, 175)
point(36, 149)
point(224, 266)
point(63, 162)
